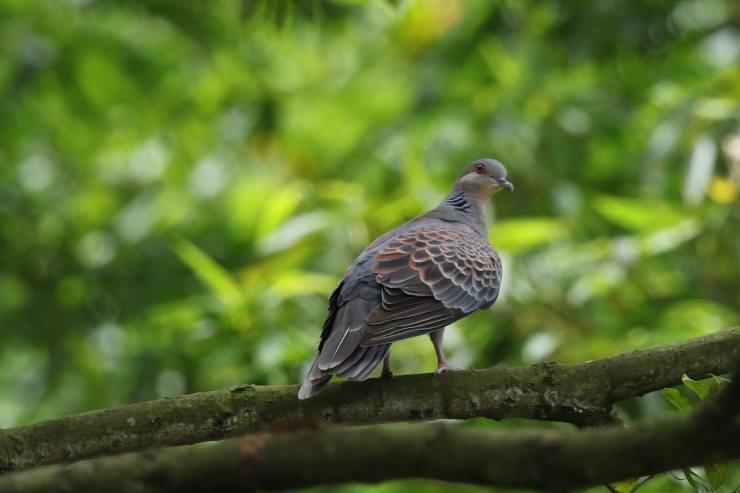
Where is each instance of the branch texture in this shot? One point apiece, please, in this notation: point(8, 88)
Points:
point(551, 461)
point(581, 394)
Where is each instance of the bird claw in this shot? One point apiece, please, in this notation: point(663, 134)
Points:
point(442, 368)
point(386, 374)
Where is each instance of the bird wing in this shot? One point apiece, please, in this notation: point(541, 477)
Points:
point(351, 290)
point(401, 315)
point(345, 325)
point(430, 276)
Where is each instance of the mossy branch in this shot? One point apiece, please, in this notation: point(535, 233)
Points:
point(581, 394)
point(542, 460)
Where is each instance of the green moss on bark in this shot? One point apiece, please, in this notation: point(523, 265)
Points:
point(581, 394)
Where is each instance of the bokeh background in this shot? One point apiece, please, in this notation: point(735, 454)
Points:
point(183, 183)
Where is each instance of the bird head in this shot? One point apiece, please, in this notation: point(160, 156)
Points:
point(484, 176)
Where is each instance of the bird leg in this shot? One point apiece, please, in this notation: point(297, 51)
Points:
point(442, 364)
point(387, 372)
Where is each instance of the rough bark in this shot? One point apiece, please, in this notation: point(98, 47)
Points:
point(551, 461)
point(581, 394)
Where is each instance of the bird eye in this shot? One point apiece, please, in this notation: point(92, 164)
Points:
point(480, 168)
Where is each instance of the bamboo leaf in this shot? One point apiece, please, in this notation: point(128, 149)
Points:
point(208, 271)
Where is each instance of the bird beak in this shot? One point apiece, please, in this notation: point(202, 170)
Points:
point(507, 184)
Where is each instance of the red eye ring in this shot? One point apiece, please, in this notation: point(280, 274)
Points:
point(480, 168)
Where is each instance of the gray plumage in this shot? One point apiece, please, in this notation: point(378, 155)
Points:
point(413, 280)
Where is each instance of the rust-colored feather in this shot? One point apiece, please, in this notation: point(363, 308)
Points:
point(443, 251)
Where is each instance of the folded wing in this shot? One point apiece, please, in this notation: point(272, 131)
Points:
point(431, 276)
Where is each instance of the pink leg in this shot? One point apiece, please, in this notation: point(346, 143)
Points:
point(442, 364)
point(387, 372)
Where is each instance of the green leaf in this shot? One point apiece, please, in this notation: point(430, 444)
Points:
point(719, 380)
point(297, 283)
point(639, 215)
point(208, 271)
point(624, 486)
point(689, 477)
point(521, 235)
point(677, 399)
point(717, 474)
point(701, 389)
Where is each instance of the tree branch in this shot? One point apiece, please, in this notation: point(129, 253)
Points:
point(543, 460)
point(581, 394)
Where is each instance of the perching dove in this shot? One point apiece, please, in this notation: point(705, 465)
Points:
point(413, 280)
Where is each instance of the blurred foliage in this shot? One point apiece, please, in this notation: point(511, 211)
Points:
point(182, 183)
point(715, 476)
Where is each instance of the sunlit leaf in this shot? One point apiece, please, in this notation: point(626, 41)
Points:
point(625, 486)
point(723, 190)
point(210, 273)
point(279, 206)
point(301, 283)
point(521, 235)
point(639, 215)
point(701, 389)
point(695, 317)
point(667, 239)
point(246, 199)
point(675, 397)
point(291, 232)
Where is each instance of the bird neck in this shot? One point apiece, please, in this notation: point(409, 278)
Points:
point(465, 206)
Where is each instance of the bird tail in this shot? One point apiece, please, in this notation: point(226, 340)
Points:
point(313, 383)
point(359, 366)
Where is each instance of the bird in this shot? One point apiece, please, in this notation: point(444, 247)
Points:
point(414, 280)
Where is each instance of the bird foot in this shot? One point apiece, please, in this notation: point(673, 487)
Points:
point(446, 367)
point(386, 374)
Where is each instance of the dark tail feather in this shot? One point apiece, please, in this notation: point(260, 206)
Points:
point(361, 364)
point(313, 388)
point(313, 383)
point(374, 364)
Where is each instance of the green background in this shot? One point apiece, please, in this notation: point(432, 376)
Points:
point(183, 183)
